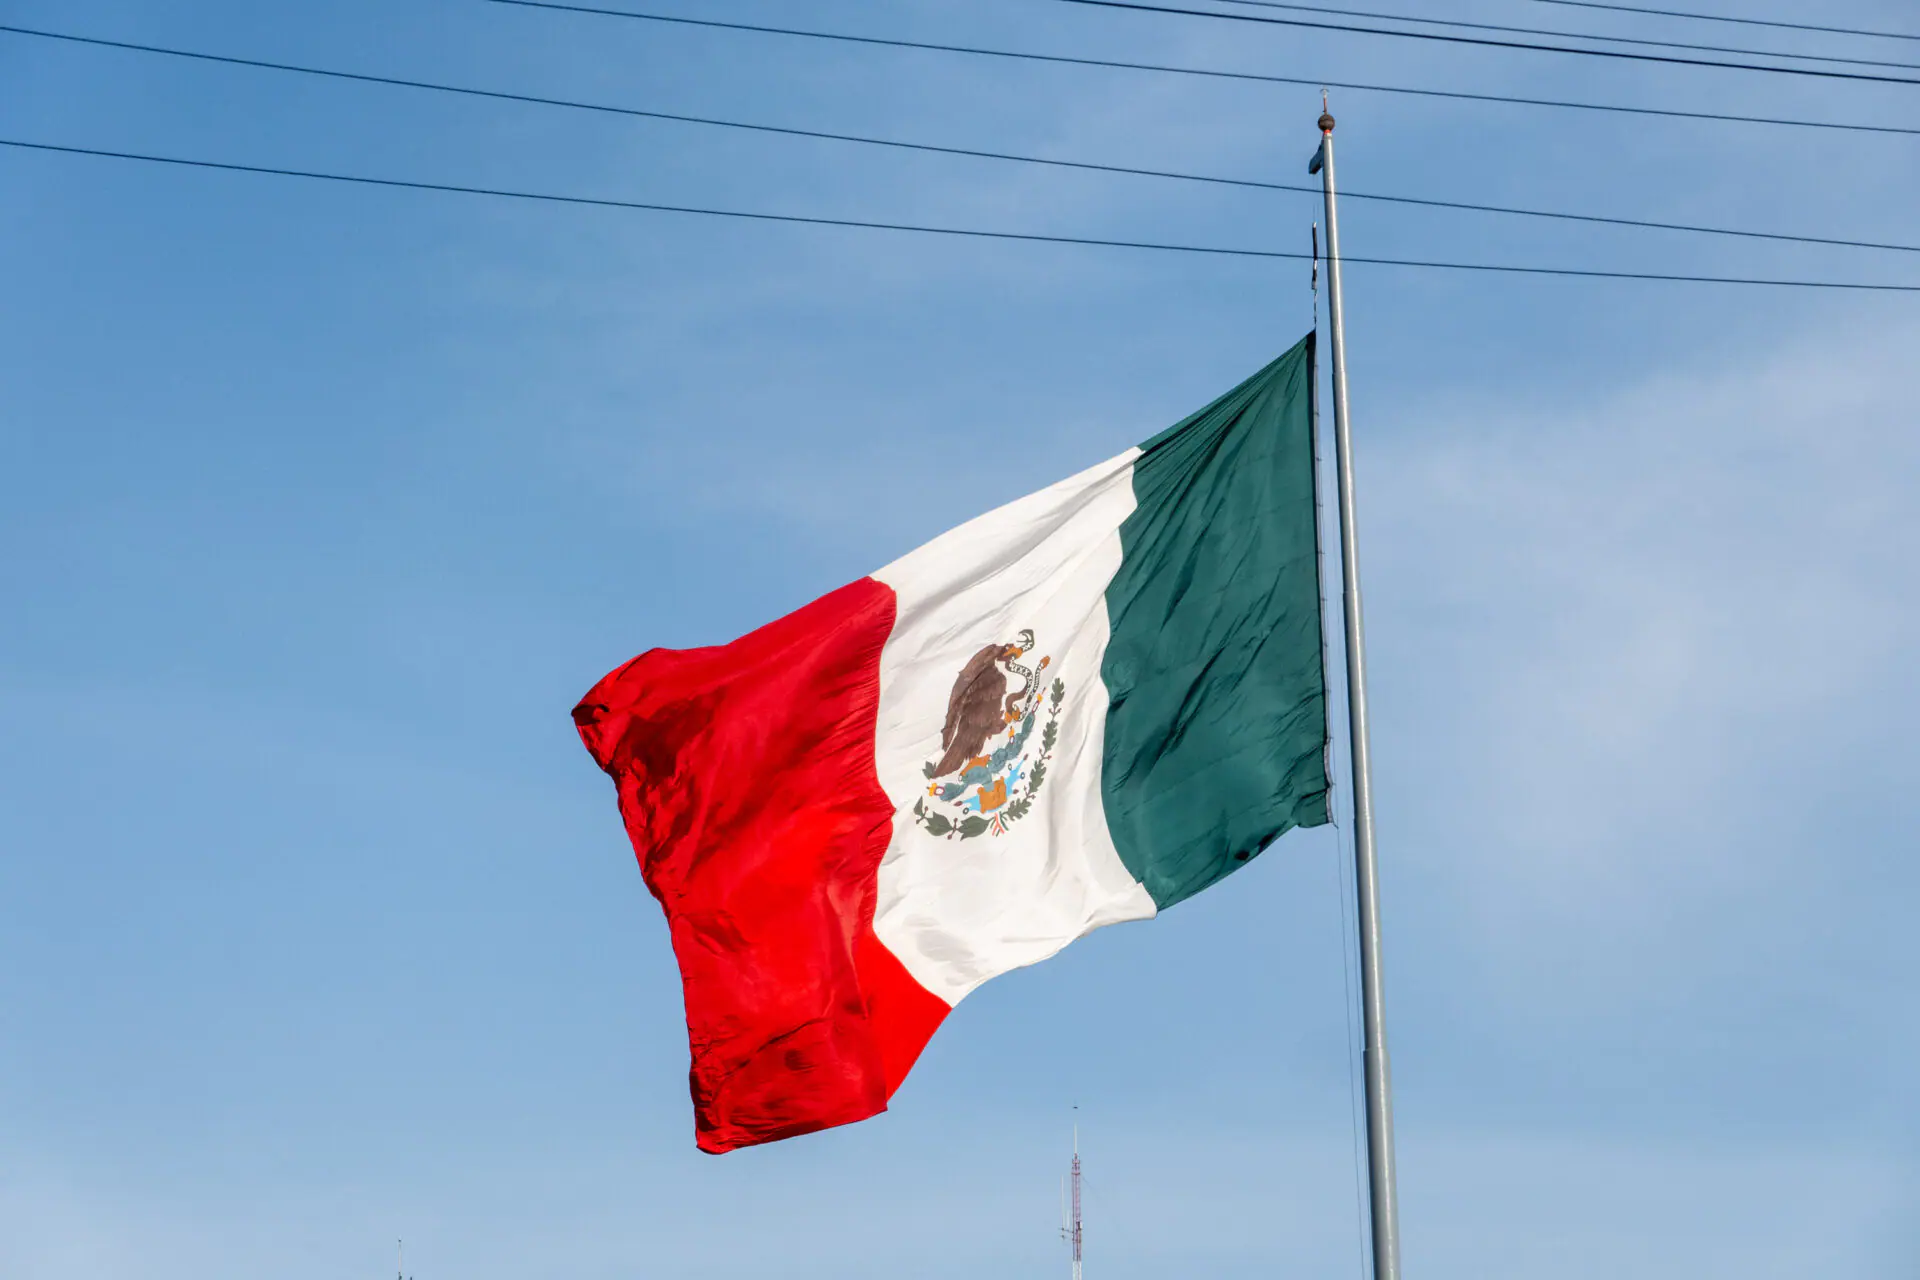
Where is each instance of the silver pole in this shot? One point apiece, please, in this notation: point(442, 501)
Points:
point(1385, 1205)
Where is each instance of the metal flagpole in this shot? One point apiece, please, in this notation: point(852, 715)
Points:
point(1385, 1206)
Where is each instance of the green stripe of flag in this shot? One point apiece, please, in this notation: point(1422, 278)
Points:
point(1217, 722)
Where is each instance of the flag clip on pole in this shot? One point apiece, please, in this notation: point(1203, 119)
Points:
point(1379, 1078)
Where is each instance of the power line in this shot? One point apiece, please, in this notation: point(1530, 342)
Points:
point(932, 148)
point(1643, 223)
point(924, 229)
point(1721, 17)
point(1573, 35)
point(561, 6)
point(1484, 42)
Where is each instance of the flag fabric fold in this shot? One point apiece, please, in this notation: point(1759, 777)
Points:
point(1077, 709)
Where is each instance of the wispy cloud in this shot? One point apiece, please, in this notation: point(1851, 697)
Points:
point(1638, 633)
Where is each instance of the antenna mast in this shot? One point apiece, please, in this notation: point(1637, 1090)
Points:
point(1074, 1236)
point(1070, 1227)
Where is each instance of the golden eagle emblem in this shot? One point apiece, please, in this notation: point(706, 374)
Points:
point(988, 771)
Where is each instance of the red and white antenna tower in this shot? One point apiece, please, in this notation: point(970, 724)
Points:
point(1070, 1227)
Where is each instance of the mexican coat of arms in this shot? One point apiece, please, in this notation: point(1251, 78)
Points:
point(990, 768)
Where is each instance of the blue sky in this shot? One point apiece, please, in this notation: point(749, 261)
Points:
point(320, 506)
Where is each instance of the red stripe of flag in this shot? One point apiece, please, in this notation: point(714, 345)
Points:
point(746, 778)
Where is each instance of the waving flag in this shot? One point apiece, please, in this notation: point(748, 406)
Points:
point(1078, 709)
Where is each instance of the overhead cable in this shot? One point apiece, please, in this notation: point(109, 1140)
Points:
point(1484, 42)
point(924, 229)
point(927, 147)
point(1722, 17)
point(562, 6)
point(1571, 35)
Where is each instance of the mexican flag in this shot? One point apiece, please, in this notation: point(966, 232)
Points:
point(1078, 709)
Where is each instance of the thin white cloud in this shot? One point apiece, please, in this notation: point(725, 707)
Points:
point(1637, 634)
